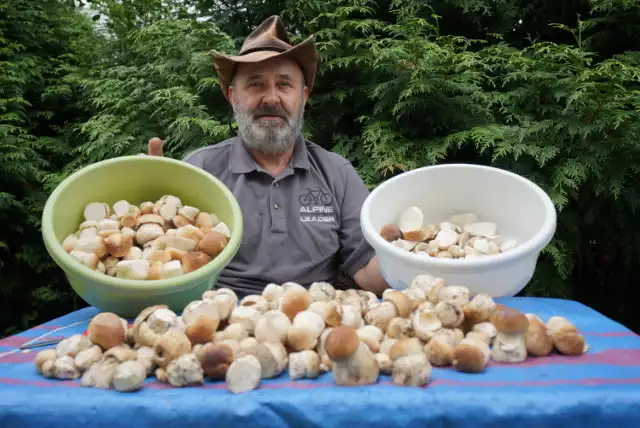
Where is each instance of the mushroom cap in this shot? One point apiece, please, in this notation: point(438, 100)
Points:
point(400, 300)
point(212, 243)
point(268, 363)
point(342, 342)
point(215, 359)
point(390, 232)
point(404, 347)
point(194, 260)
point(120, 353)
point(170, 346)
point(202, 330)
point(440, 350)
point(538, 342)
point(510, 322)
point(568, 342)
point(468, 357)
point(106, 330)
point(294, 301)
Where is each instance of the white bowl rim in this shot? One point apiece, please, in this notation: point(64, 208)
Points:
point(533, 245)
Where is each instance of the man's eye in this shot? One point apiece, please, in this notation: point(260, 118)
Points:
point(285, 84)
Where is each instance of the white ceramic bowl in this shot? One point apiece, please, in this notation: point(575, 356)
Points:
point(519, 208)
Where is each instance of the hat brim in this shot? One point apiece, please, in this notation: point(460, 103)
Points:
point(305, 53)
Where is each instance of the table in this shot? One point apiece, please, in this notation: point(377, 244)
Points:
point(598, 388)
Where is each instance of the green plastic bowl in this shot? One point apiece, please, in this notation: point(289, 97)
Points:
point(137, 179)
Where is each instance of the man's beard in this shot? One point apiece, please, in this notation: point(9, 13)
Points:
point(268, 136)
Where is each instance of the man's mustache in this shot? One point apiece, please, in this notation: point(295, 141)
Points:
point(271, 111)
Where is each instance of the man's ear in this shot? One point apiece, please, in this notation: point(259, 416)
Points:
point(230, 94)
point(305, 93)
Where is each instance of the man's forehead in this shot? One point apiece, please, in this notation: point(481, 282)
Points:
point(281, 66)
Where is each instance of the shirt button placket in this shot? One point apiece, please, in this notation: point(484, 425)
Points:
point(277, 213)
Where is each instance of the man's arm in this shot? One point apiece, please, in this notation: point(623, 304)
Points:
point(356, 255)
point(370, 278)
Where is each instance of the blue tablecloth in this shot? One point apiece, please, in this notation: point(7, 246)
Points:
point(598, 388)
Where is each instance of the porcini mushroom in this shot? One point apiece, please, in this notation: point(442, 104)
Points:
point(399, 328)
point(322, 291)
point(304, 364)
point(353, 363)
point(185, 371)
point(384, 363)
point(273, 325)
point(537, 341)
point(154, 321)
point(352, 316)
point(399, 300)
point(86, 358)
point(454, 293)
point(471, 355)
point(213, 243)
point(330, 311)
point(390, 232)
point(565, 336)
point(295, 300)
point(216, 358)
point(73, 345)
point(129, 376)
point(272, 364)
point(509, 345)
point(106, 330)
point(44, 356)
point(411, 370)
point(479, 309)
point(257, 302)
point(439, 349)
point(246, 315)
point(371, 336)
point(381, 314)
point(305, 330)
point(273, 293)
point(450, 313)
point(425, 324)
point(404, 347)
point(170, 346)
point(201, 320)
point(244, 374)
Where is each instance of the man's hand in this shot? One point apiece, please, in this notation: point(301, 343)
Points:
point(155, 147)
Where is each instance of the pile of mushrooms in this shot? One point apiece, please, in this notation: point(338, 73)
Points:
point(307, 332)
point(463, 236)
point(148, 242)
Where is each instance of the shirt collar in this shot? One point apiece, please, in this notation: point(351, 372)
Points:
point(242, 162)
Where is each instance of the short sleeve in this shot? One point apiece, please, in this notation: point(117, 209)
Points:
point(355, 252)
point(194, 158)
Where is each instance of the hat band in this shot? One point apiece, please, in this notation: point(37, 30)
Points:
point(262, 48)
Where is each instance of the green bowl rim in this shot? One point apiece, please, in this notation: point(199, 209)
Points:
point(68, 263)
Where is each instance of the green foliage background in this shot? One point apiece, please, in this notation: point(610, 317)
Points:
point(544, 88)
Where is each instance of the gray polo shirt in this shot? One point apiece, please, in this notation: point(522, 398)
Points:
point(302, 225)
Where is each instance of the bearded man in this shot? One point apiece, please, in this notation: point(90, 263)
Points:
point(300, 203)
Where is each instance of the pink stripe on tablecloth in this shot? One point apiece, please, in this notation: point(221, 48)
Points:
point(609, 333)
point(582, 382)
point(45, 383)
point(19, 357)
point(614, 357)
point(46, 327)
point(18, 341)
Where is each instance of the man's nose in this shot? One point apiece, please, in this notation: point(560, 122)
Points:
point(271, 96)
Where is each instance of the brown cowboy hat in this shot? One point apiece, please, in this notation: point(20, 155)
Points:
point(267, 41)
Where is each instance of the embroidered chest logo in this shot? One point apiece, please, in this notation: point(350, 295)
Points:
point(316, 206)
